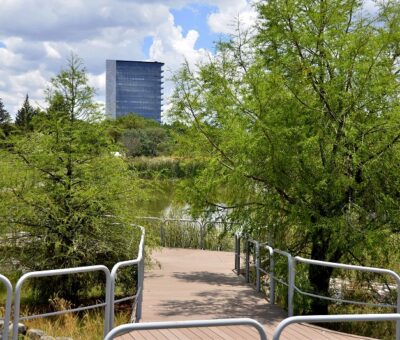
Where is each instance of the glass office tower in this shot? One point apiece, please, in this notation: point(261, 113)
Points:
point(133, 86)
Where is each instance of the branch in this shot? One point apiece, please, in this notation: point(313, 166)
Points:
point(54, 177)
point(382, 151)
point(199, 127)
point(280, 191)
point(320, 91)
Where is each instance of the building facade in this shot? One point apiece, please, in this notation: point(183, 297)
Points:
point(134, 87)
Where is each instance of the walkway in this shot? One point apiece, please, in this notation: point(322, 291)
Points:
point(188, 284)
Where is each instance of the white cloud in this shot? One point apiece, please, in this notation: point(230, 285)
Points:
point(98, 81)
point(225, 20)
point(51, 51)
point(173, 48)
point(38, 36)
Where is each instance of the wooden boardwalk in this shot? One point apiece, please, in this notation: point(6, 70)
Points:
point(188, 284)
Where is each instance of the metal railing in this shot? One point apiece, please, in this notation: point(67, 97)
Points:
point(333, 318)
point(139, 261)
point(187, 324)
point(291, 279)
point(163, 221)
point(252, 248)
point(200, 225)
point(7, 311)
point(55, 272)
point(271, 272)
point(108, 304)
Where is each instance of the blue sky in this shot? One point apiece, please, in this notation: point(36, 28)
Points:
point(36, 37)
point(194, 16)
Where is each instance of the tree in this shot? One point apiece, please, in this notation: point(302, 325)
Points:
point(65, 186)
point(25, 115)
point(298, 124)
point(140, 136)
point(5, 119)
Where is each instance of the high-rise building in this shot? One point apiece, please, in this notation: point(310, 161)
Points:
point(133, 86)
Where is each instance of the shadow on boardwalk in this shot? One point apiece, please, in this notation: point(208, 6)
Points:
point(209, 278)
point(220, 304)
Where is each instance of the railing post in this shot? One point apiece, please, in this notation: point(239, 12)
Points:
point(272, 278)
point(398, 311)
point(141, 287)
point(58, 272)
point(257, 264)
point(238, 253)
point(291, 273)
point(107, 308)
point(162, 234)
point(202, 235)
point(7, 311)
point(247, 260)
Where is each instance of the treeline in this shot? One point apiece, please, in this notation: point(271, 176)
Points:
point(148, 146)
point(137, 135)
point(23, 120)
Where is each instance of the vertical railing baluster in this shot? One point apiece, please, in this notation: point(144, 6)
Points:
point(292, 273)
point(247, 245)
point(141, 287)
point(236, 248)
point(272, 277)
point(257, 264)
point(238, 253)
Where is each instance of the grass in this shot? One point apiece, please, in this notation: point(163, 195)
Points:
point(85, 326)
point(178, 234)
point(166, 166)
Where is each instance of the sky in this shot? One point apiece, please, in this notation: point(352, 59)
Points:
point(37, 36)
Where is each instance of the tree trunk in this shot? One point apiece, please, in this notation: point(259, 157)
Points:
point(319, 276)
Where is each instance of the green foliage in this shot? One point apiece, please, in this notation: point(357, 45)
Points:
point(4, 115)
point(25, 115)
point(60, 183)
point(297, 123)
point(141, 136)
point(145, 142)
point(5, 121)
point(164, 167)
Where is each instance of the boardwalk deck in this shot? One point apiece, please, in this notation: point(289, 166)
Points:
point(187, 284)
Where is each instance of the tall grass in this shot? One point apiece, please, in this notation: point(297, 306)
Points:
point(185, 234)
point(84, 326)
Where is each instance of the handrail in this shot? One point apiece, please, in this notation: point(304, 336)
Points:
point(362, 269)
point(140, 262)
point(271, 273)
point(187, 324)
point(108, 304)
point(201, 225)
point(7, 311)
point(112, 276)
point(333, 318)
point(56, 272)
point(292, 277)
point(164, 220)
point(352, 267)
